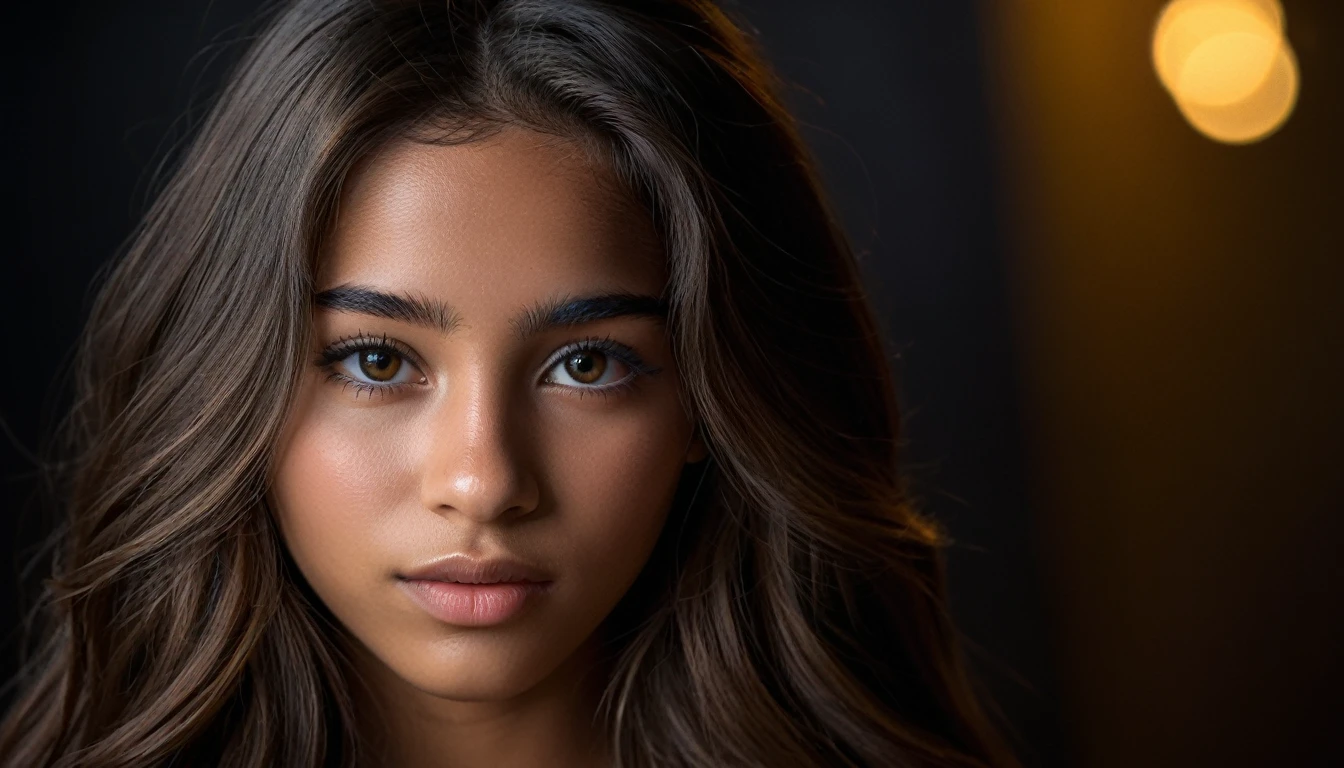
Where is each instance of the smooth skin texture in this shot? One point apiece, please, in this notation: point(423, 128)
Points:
point(483, 446)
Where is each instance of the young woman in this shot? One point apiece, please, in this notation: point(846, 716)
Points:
point(491, 385)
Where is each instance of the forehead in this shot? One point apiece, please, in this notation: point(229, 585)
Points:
point(506, 218)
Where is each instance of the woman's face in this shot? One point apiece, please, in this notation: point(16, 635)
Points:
point(470, 405)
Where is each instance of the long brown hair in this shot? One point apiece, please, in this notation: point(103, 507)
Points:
point(793, 613)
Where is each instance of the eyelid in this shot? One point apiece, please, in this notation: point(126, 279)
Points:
point(348, 345)
point(606, 345)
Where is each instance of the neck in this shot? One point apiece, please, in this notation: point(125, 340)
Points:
point(550, 724)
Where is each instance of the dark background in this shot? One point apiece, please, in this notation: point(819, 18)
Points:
point(1119, 342)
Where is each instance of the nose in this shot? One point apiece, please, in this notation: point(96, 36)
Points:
point(475, 463)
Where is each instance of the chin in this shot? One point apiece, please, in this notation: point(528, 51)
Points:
point(467, 672)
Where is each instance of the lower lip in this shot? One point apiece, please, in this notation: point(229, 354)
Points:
point(473, 605)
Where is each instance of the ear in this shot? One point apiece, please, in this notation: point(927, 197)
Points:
point(696, 451)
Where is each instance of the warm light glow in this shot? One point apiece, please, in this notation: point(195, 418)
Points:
point(1256, 116)
point(1185, 25)
point(1228, 65)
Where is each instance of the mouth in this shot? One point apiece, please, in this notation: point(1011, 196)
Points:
point(471, 592)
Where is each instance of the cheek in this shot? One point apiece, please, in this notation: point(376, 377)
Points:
point(614, 491)
point(339, 480)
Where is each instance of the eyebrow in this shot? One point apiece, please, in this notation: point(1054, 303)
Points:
point(558, 312)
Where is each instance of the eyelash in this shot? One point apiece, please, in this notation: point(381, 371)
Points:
point(361, 342)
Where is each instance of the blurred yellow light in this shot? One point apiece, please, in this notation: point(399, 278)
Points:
point(1227, 65)
point(1227, 68)
point(1184, 25)
point(1259, 114)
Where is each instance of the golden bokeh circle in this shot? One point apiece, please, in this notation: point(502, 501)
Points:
point(1228, 65)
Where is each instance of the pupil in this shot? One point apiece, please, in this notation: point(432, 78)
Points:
point(585, 366)
point(379, 360)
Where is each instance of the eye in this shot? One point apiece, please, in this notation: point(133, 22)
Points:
point(597, 365)
point(370, 364)
point(378, 365)
point(586, 367)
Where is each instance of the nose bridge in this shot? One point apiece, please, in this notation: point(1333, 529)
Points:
point(474, 465)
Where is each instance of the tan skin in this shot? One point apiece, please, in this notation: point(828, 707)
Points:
point(481, 446)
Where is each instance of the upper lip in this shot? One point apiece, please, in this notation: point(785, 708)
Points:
point(465, 569)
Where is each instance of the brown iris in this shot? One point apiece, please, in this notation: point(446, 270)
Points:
point(379, 364)
point(586, 367)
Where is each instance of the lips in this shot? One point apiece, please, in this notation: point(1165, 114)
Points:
point(471, 592)
point(464, 569)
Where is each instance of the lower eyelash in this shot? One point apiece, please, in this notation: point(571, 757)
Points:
point(361, 386)
point(605, 391)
